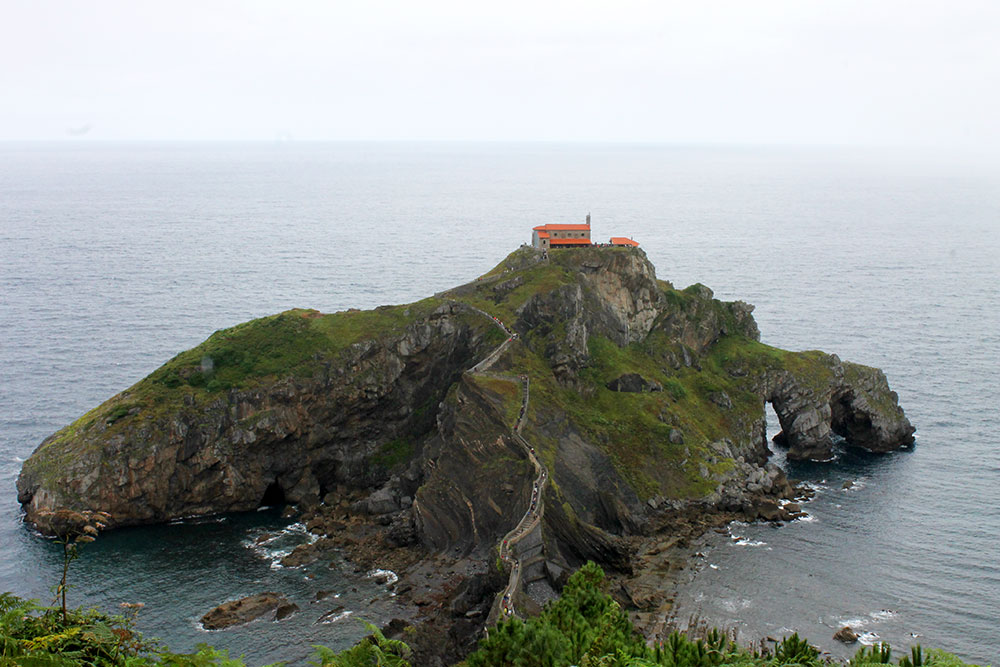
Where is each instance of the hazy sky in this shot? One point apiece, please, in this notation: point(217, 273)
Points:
point(756, 71)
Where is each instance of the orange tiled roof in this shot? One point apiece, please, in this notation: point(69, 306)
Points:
point(543, 235)
point(570, 242)
point(621, 240)
point(562, 228)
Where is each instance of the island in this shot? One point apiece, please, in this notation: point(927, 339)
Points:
point(567, 406)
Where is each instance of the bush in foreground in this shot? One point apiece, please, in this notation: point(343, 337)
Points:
point(585, 627)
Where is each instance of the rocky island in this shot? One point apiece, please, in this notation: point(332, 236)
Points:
point(566, 406)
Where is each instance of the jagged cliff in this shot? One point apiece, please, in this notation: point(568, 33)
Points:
point(644, 399)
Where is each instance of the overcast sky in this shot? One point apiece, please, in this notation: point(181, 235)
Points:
point(750, 71)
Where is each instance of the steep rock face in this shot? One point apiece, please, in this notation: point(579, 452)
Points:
point(475, 476)
point(293, 439)
point(699, 320)
point(615, 295)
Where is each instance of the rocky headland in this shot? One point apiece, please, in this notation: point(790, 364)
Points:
point(406, 435)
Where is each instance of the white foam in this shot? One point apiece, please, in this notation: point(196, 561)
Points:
point(816, 487)
point(339, 617)
point(391, 577)
point(734, 606)
point(808, 518)
point(713, 566)
point(864, 621)
point(856, 484)
point(868, 638)
point(277, 545)
point(747, 542)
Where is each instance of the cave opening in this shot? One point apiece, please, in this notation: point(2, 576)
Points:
point(848, 423)
point(274, 495)
point(772, 431)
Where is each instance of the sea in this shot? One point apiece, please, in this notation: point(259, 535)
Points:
point(114, 257)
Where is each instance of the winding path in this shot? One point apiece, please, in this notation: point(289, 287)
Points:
point(504, 605)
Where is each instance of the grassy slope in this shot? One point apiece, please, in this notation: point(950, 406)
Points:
point(634, 428)
point(292, 344)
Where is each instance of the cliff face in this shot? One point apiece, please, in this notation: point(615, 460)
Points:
point(643, 398)
point(150, 456)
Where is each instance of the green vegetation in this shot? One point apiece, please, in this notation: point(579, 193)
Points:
point(393, 453)
point(284, 345)
point(374, 649)
point(505, 293)
point(507, 392)
point(705, 401)
point(292, 344)
point(584, 627)
point(36, 636)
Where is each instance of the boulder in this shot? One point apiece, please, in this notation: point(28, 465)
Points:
point(634, 383)
point(846, 635)
point(285, 610)
point(244, 610)
point(380, 502)
point(301, 555)
point(721, 399)
point(769, 511)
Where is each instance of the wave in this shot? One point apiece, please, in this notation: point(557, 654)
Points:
point(747, 542)
point(860, 622)
point(197, 520)
point(274, 546)
point(337, 617)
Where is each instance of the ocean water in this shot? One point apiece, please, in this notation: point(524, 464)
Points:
point(115, 257)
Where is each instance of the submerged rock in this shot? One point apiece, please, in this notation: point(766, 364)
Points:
point(285, 610)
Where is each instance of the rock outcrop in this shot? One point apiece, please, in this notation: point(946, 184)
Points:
point(849, 400)
point(244, 610)
point(283, 439)
point(633, 382)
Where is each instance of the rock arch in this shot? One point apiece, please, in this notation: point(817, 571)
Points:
point(849, 400)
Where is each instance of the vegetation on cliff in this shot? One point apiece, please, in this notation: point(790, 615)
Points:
point(297, 343)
